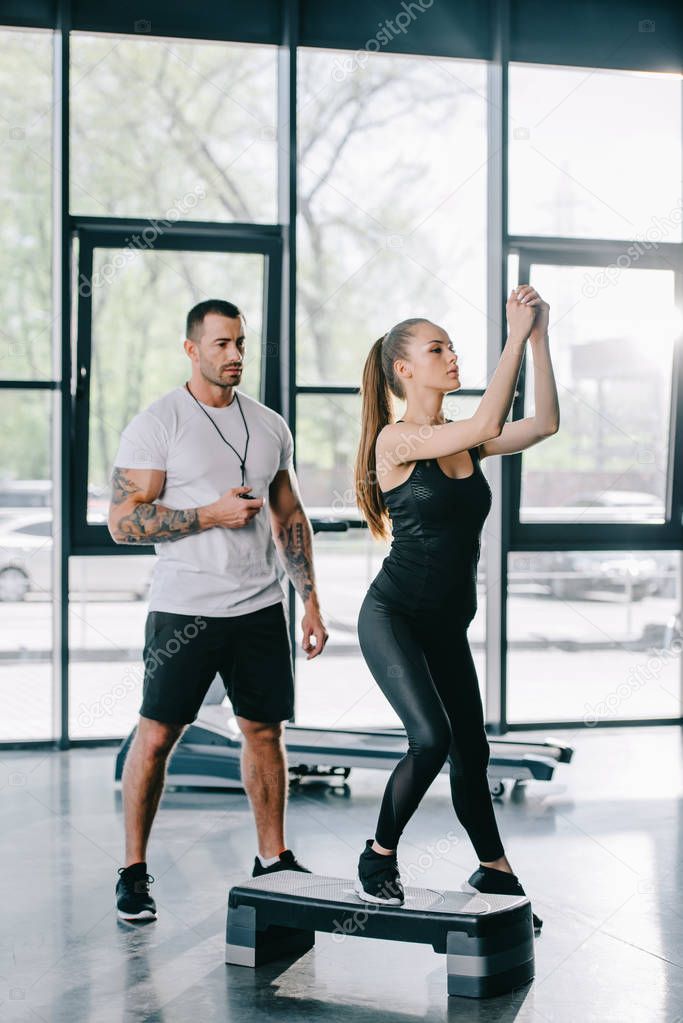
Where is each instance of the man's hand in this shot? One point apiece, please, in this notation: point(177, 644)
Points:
point(233, 510)
point(134, 516)
point(312, 625)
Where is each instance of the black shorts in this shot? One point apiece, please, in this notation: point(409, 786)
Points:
point(251, 652)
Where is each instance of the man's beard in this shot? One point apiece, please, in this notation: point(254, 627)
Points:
point(216, 381)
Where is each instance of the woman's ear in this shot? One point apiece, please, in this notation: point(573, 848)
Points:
point(402, 369)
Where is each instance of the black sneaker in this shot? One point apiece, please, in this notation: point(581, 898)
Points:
point(497, 882)
point(287, 861)
point(378, 877)
point(133, 901)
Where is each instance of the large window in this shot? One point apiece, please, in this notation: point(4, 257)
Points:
point(612, 341)
point(177, 186)
point(26, 222)
point(173, 129)
point(594, 636)
point(391, 156)
point(594, 153)
point(26, 414)
point(594, 211)
point(392, 207)
point(107, 611)
point(139, 303)
point(133, 304)
point(26, 590)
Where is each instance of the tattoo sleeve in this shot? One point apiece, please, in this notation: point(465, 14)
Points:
point(294, 540)
point(146, 522)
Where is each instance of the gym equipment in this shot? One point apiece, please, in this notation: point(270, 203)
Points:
point(487, 939)
point(208, 752)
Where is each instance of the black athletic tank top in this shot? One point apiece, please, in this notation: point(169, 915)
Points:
point(436, 540)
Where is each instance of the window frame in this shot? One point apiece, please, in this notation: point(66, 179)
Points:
point(595, 536)
point(90, 233)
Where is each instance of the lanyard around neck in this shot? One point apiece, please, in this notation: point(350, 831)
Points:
point(242, 459)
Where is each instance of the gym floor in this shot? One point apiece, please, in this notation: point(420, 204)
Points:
point(598, 851)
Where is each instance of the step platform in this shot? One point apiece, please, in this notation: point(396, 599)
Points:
point(488, 940)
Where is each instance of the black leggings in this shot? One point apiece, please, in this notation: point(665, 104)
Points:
point(423, 665)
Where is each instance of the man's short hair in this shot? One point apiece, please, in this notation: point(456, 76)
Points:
point(196, 315)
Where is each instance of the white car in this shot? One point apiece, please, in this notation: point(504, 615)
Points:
point(26, 564)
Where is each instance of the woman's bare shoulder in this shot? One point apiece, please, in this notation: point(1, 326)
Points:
point(391, 470)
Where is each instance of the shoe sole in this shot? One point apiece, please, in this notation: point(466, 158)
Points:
point(145, 914)
point(366, 897)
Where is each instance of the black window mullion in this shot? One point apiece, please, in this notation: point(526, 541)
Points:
point(80, 439)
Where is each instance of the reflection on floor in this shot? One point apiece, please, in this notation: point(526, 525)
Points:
point(598, 851)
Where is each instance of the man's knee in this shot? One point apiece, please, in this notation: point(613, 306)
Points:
point(157, 738)
point(260, 731)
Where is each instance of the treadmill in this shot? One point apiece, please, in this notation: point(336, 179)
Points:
point(209, 750)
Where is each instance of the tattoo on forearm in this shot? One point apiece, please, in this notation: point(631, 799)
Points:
point(295, 544)
point(150, 523)
point(147, 522)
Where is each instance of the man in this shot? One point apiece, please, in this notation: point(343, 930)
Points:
point(192, 476)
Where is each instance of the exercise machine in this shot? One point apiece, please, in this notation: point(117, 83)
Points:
point(209, 751)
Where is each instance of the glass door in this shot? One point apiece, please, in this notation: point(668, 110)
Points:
point(132, 302)
point(132, 305)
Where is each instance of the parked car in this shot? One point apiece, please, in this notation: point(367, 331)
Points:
point(600, 506)
point(577, 573)
point(20, 496)
point(668, 572)
point(574, 574)
point(26, 563)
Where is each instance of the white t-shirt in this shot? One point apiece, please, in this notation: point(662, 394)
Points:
point(219, 571)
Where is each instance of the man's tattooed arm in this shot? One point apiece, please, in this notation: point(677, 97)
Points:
point(135, 519)
point(294, 540)
point(152, 523)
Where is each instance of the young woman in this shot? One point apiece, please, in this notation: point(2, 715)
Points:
point(423, 472)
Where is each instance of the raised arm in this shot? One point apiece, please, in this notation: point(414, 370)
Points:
point(401, 442)
point(522, 434)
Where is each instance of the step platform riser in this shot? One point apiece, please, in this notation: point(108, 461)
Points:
point(487, 939)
